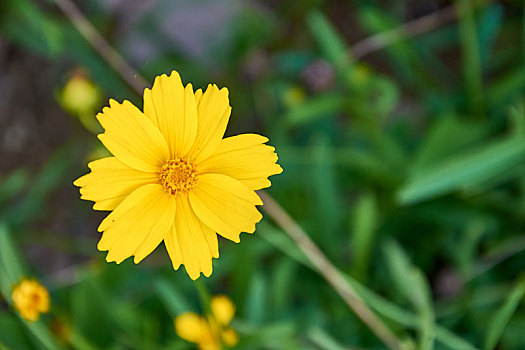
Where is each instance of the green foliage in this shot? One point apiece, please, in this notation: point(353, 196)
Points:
point(405, 165)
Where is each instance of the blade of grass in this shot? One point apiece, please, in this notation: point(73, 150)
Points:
point(363, 234)
point(412, 283)
point(503, 316)
point(471, 58)
point(332, 44)
point(465, 169)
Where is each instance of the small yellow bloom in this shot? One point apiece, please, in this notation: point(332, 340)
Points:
point(174, 178)
point(294, 96)
point(223, 309)
point(80, 94)
point(212, 333)
point(82, 98)
point(31, 299)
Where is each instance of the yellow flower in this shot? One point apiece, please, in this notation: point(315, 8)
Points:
point(31, 299)
point(80, 95)
point(173, 177)
point(212, 333)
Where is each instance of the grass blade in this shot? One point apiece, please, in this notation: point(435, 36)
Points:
point(503, 316)
point(466, 169)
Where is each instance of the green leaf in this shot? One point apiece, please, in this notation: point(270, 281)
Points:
point(490, 24)
point(281, 241)
point(332, 44)
point(413, 285)
point(449, 134)
point(174, 301)
point(324, 340)
point(462, 170)
point(504, 90)
point(91, 307)
point(11, 185)
point(318, 107)
point(11, 267)
point(503, 316)
point(363, 231)
point(41, 332)
point(27, 25)
point(325, 187)
point(471, 58)
point(12, 334)
point(256, 303)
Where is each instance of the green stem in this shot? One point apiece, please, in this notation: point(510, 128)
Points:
point(204, 296)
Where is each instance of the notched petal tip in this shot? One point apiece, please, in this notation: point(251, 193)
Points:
point(225, 90)
point(112, 103)
point(207, 273)
point(193, 276)
point(174, 73)
point(79, 182)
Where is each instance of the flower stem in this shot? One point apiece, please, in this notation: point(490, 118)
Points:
point(204, 296)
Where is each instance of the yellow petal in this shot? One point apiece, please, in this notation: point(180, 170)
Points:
point(110, 181)
point(245, 158)
point(198, 95)
point(132, 137)
point(223, 309)
point(226, 205)
point(138, 225)
point(213, 114)
point(190, 242)
point(173, 109)
point(191, 327)
point(230, 337)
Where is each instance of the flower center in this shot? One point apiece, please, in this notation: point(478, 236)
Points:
point(178, 176)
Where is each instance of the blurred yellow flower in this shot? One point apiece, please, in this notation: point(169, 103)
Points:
point(80, 94)
point(82, 98)
point(31, 299)
point(294, 96)
point(212, 333)
point(173, 177)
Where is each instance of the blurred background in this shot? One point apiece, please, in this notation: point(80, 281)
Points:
point(400, 126)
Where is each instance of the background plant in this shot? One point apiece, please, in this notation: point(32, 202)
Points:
point(400, 128)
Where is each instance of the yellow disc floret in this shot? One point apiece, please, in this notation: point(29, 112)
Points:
point(178, 176)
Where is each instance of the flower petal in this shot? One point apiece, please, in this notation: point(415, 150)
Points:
point(190, 242)
point(138, 225)
point(173, 109)
point(226, 205)
point(213, 111)
point(131, 137)
point(110, 181)
point(245, 158)
point(223, 309)
point(191, 327)
point(230, 337)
